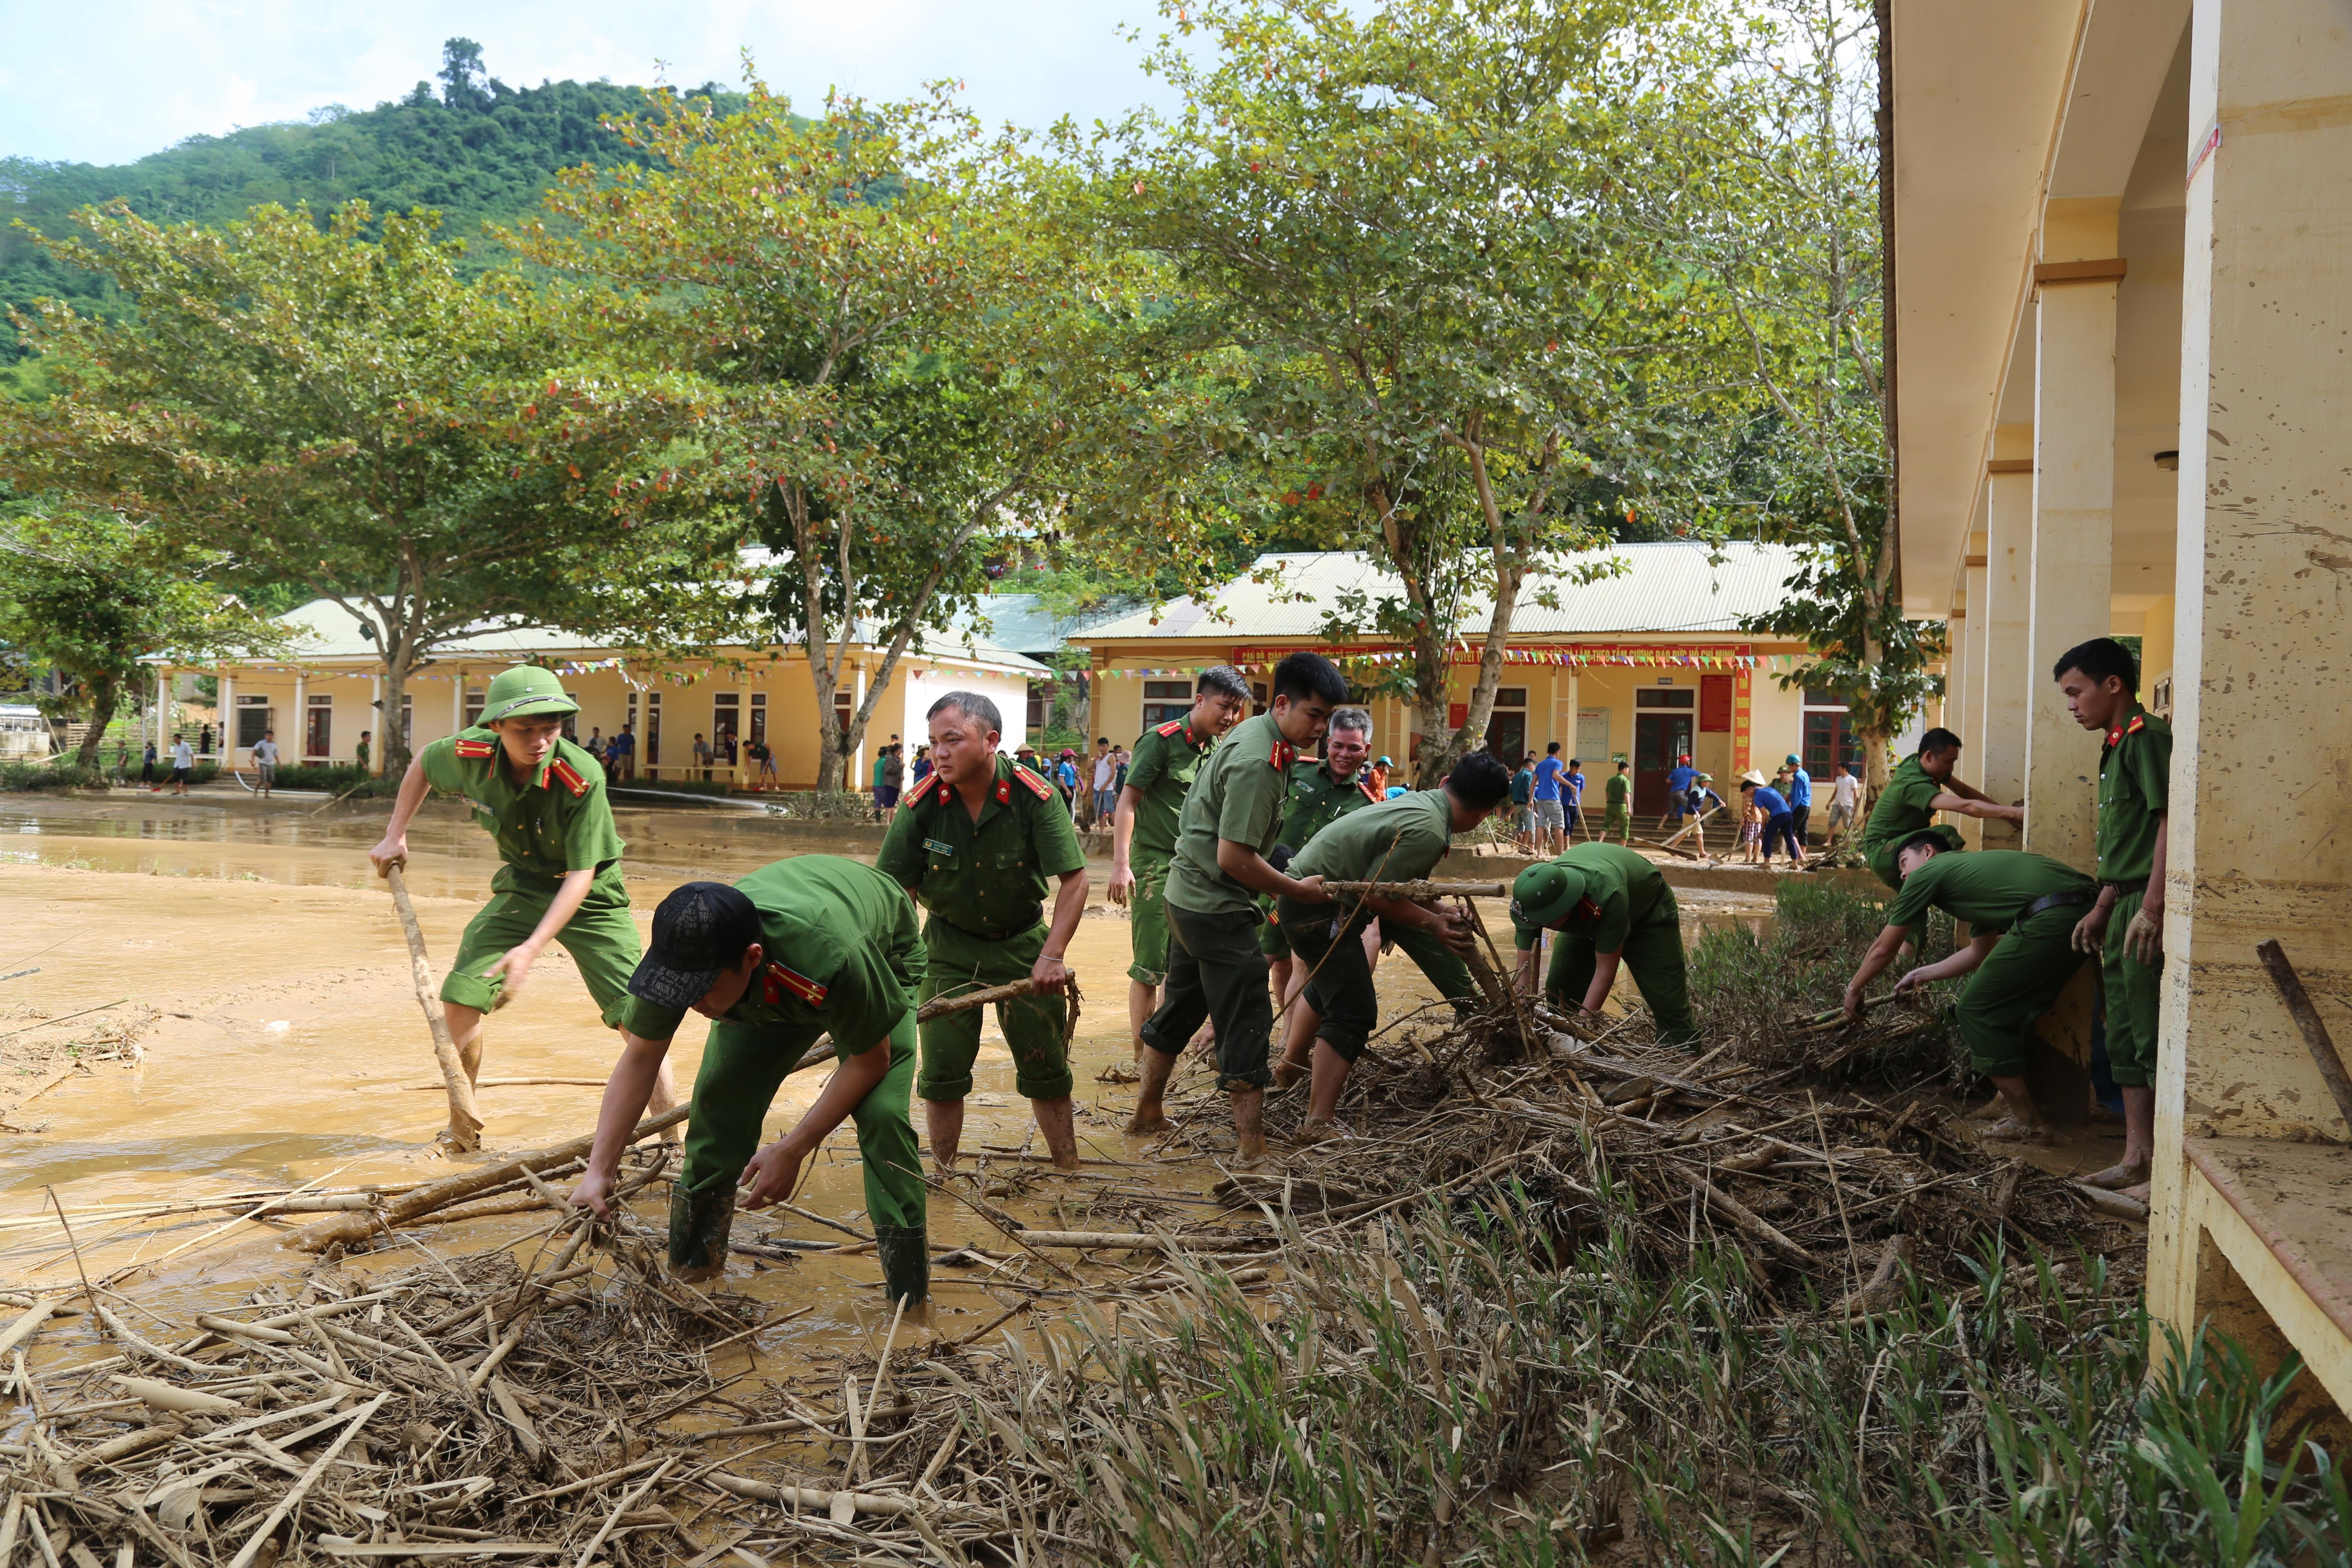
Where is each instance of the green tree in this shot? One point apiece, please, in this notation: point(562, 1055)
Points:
point(90, 594)
point(1384, 229)
point(890, 357)
point(345, 413)
point(1782, 226)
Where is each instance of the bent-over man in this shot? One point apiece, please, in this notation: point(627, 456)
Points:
point(1611, 908)
point(2022, 910)
point(804, 947)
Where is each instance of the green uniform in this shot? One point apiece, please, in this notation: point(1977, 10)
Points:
point(558, 822)
point(1619, 821)
point(1398, 840)
point(842, 957)
point(2134, 780)
point(1904, 807)
point(1627, 909)
point(1317, 800)
point(985, 884)
point(2033, 903)
point(1166, 759)
point(1214, 967)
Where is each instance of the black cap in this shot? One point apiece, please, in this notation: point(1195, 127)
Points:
point(699, 929)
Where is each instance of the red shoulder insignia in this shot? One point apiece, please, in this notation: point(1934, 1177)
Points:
point(1170, 727)
point(1038, 787)
point(1369, 793)
point(475, 749)
point(569, 775)
point(2138, 722)
point(776, 980)
point(1587, 909)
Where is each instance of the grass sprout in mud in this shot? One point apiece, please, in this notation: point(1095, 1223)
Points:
point(1453, 1391)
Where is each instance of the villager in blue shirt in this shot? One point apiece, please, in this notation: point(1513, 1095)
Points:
point(1780, 825)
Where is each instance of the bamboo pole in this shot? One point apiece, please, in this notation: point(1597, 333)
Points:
point(1414, 891)
point(2315, 1039)
point(465, 1118)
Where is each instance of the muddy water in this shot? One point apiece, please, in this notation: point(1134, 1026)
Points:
point(288, 1047)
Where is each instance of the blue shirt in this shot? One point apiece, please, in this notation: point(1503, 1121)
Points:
point(1770, 799)
point(1521, 782)
point(1065, 774)
point(1801, 788)
point(1682, 778)
point(1548, 778)
point(1575, 786)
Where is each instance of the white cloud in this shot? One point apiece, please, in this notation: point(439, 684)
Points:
point(109, 82)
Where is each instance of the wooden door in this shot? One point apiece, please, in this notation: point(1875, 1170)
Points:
point(1658, 740)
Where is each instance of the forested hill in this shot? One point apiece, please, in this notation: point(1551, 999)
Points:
point(471, 146)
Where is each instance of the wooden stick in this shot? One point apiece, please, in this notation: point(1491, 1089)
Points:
point(2315, 1039)
point(63, 1017)
point(938, 1007)
point(519, 1083)
point(1423, 888)
point(614, 1517)
point(465, 1119)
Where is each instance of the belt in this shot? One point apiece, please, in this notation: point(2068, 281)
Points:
point(1035, 920)
point(2133, 885)
point(2053, 901)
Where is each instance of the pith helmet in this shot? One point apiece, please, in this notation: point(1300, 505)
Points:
point(1544, 894)
point(525, 691)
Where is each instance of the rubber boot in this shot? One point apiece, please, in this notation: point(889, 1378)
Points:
point(698, 1224)
point(906, 1254)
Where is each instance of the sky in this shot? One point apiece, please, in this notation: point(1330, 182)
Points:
point(106, 81)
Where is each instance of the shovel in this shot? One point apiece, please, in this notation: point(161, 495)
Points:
point(465, 1133)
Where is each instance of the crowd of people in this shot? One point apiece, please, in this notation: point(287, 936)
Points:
point(1263, 861)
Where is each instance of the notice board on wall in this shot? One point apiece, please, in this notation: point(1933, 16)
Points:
point(1715, 703)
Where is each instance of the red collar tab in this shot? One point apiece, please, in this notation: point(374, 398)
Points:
point(775, 980)
point(475, 750)
point(1282, 756)
point(1003, 792)
point(947, 792)
point(569, 775)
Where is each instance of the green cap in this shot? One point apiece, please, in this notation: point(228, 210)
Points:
point(1546, 893)
point(525, 691)
point(1943, 836)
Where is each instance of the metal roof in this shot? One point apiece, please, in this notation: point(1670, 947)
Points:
point(1021, 621)
point(1662, 589)
point(325, 630)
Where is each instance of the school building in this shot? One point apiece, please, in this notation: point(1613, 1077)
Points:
point(1645, 665)
point(318, 701)
point(2123, 275)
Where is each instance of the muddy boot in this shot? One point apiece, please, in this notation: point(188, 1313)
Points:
point(906, 1254)
point(698, 1223)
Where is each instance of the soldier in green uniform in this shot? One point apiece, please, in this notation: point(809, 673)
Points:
point(2101, 680)
point(1399, 840)
point(1619, 821)
point(1611, 906)
point(1231, 820)
point(559, 879)
point(1166, 759)
point(977, 845)
point(2022, 910)
point(814, 945)
point(1919, 787)
point(1321, 793)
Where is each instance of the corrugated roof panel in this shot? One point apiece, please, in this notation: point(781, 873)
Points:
point(1667, 588)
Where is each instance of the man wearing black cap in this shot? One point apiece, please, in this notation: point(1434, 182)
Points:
point(2022, 910)
point(813, 945)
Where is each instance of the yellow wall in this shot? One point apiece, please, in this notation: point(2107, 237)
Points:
point(2155, 647)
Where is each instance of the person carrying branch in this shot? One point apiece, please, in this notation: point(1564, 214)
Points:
point(1166, 759)
point(1611, 908)
point(1231, 820)
point(2101, 680)
point(977, 846)
point(1919, 787)
point(559, 879)
point(1399, 841)
point(802, 948)
point(2022, 910)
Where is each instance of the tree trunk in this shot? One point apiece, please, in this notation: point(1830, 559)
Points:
point(391, 738)
point(104, 695)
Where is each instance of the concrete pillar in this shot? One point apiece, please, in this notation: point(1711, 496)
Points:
point(457, 698)
point(299, 743)
point(2260, 658)
point(227, 720)
point(1968, 713)
point(162, 711)
point(2073, 534)
point(1995, 763)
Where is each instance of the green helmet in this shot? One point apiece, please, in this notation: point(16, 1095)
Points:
point(1547, 893)
point(523, 692)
